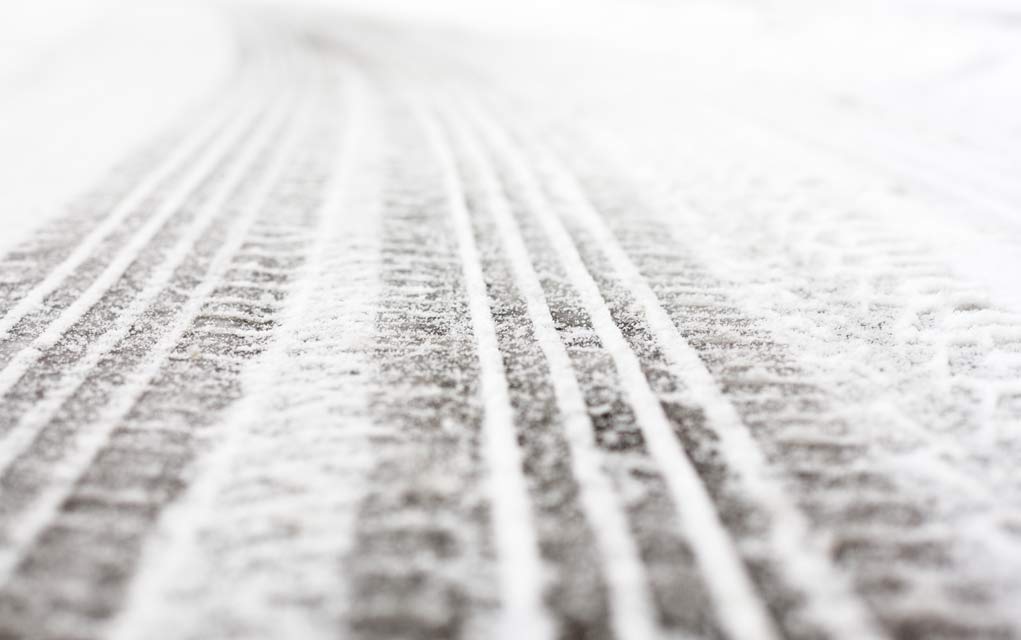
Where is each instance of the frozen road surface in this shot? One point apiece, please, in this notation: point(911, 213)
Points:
point(398, 320)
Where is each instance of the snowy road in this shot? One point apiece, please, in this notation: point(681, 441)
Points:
point(624, 320)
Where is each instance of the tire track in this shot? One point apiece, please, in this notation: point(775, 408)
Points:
point(561, 405)
point(675, 581)
point(677, 587)
point(236, 537)
point(724, 573)
point(83, 378)
point(465, 385)
point(421, 565)
point(85, 333)
point(576, 591)
point(520, 569)
point(105, 507)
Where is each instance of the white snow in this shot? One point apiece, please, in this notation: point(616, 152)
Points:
point(82, 84)
point(846, 173)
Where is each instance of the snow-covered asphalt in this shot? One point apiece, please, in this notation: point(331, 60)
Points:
point(483, 321)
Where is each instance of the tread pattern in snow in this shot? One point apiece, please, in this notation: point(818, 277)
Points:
point(362, 350)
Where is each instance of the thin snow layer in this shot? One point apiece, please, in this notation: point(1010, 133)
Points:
point(484, 320)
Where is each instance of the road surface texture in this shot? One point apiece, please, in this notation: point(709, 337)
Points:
point(691, 320)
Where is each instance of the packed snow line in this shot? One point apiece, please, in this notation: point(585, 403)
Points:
point(24, 530)
point(740, 609)
point(180, 527)
point(833, 603)
point(523, 612)
point(633, 614)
